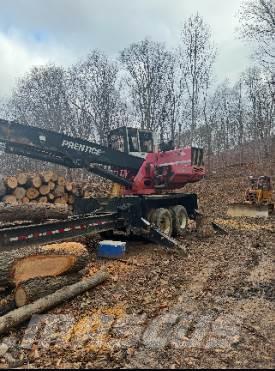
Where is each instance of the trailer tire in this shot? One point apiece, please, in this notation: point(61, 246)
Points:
point(180, 220)
point(151, 216)
point(162, 218)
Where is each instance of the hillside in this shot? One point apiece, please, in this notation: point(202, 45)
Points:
point(211, 308)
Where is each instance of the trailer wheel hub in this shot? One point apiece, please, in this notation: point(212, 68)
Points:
point(163, 221)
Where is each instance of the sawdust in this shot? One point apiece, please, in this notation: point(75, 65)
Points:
point(264, 272)
point(89, 329)
point(117, 269)
point(75, 248)
point(241, 224)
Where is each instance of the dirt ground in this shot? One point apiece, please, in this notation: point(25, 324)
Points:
point(212, 308)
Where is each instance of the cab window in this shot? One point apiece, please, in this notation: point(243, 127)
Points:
point(146, 141)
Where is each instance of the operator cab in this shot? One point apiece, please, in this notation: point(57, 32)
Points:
point(134, 141)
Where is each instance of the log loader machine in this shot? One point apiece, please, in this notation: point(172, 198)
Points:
point(145, 178)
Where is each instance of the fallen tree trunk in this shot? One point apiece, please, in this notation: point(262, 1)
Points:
point(20, 315)
point(31, 211)
point(36, 288)
point(20, 265)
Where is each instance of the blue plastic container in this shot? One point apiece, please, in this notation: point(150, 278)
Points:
point(111, 249)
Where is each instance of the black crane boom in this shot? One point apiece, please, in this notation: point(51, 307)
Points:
point(61, 149)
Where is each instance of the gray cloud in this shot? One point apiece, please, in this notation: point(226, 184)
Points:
point(61, 31)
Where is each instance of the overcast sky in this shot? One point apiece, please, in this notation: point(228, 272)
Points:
point(61, 31)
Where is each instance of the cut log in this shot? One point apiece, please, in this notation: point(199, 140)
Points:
point(31, 211)
point(19, 315)
point(41, 261)
point(59, 191)
point(19, 193)
point(69, 186)
point(25, 200)
point(54, 177)
point(61, 181)
point(71, 199)
point(52, 185)
point(22, 179)
point(9, 199)
point(43, 200)
point(32, 193)
point(50, 197)
point(36, 288)
point(36, 181)
point(11, 182)
point(44, 189)
point(47, 176)
point(60, 201)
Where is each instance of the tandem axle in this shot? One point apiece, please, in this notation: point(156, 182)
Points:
point(154, 217)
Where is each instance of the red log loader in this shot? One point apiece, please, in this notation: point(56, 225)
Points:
point(144, 199)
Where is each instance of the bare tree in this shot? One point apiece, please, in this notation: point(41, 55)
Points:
point(261, 108)
point(238, 110)
point(40, 99)
point(173, 103)
point(148, 72)
point(197, 55)
point(94, 95)
point(207, 129)
point(257, 18)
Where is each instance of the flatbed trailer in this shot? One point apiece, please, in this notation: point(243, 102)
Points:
point(128, 214)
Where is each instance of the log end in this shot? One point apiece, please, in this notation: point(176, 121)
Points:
point(20, 297)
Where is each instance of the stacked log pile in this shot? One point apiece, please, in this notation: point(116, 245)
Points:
point(48, 187)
